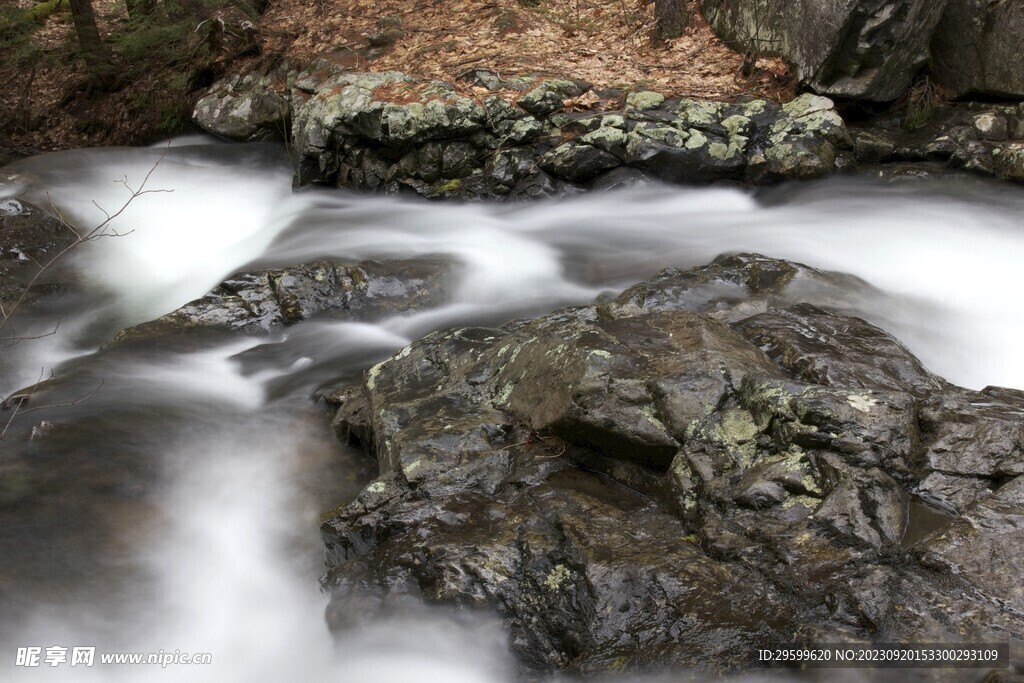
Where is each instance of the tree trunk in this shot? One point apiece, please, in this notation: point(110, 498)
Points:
point(97, 59)
point(671, 19)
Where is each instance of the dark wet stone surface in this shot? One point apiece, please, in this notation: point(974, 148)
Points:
point(674, 477)
point(259, 302)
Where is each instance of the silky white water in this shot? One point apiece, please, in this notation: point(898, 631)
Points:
point(183, 506)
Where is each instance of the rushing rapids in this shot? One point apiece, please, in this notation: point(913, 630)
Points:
point(169, 498)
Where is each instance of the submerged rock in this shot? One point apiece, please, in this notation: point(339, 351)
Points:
point(602, 476)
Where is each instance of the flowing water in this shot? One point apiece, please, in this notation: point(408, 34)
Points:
point(170, 501)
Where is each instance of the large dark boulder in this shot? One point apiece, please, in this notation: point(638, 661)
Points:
point(977, 48)
point(673, 478)
point(866, 49)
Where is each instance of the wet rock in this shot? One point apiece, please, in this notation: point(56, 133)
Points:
point(609, 138)
point(1009, 161)
point(984, 139)
point(802, 142)
point(737, 286)
point(578, 163)
point(30, 241)
point(682, 155)
point(259, 302)
point(982, 546)
point(600, 475)
point(862, 49)
point(977, 434)
point(869, 507)
point(628, 387)
point(563, 559)
point(391, 132)
point(831, 350)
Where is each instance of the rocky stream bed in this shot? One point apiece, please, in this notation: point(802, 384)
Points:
point(712, 461)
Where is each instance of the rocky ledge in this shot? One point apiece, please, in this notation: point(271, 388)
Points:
point(702, 466)
point(262, 301)
point(497, 138)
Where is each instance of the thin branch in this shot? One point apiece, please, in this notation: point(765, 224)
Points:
point(23, 399)
point(93, 234)
point(103, 229)
point(27, 397)
point(74, 402)
point(16, 339)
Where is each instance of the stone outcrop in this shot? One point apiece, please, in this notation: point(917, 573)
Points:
point(246, 107)
point(262, 301)
point(977, 46)
point(864, 49)
point(872, 49)
point(602, 476)
point(986, 139)
point(391, 132)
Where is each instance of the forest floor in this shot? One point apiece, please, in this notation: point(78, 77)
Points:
point(609, 43)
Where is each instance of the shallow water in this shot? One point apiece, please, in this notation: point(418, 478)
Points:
point(176, 508)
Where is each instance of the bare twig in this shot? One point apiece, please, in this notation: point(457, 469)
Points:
point(16, 401)
point(19, 401)
point(100, 230)
point(73, 402)
point(22, 399)
point(14, 339)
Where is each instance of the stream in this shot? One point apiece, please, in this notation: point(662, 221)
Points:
point(172, 500)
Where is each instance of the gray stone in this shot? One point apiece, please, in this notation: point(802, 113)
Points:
point(977, 46)
point(547, 97)
point(259, 302)
point(577, 162)
point(246, 108)
point(802, 143)
point(866, 49)
point(832, 350)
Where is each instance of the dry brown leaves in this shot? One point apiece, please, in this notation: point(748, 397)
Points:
point(47, 118)
point(605, 42)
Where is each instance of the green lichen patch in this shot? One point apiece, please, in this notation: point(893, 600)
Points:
point(643, 100)
point(558, 576)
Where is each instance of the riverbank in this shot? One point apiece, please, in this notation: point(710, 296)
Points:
point(491, 137)
point(164, 66)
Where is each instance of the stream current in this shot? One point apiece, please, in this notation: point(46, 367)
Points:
point(176, 507)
